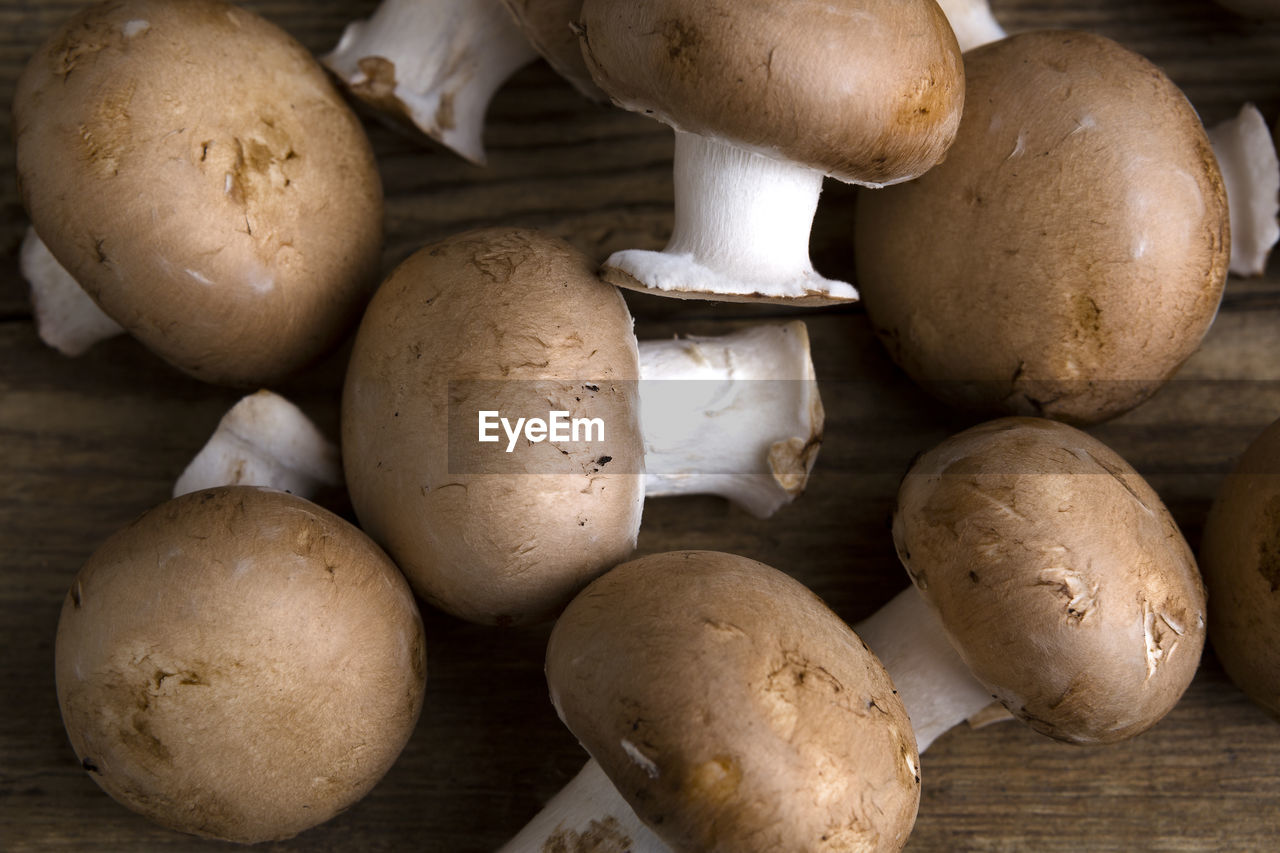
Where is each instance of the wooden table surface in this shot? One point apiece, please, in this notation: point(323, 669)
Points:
point(87, 444)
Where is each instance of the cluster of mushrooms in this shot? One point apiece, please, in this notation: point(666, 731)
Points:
point(1060, 204)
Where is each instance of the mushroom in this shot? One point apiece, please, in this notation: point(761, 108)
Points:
point(1077, 236)
point(432, 65)
point(972, 21)
point(1250, 168)
point(765, 100)
point(551, 27)
point(190, 165)
point(240, 664)
point(1240, 556)
point(725, 704)
point(465, 357)
point(264, 440)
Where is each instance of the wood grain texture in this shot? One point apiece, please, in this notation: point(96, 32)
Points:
point(86, 445)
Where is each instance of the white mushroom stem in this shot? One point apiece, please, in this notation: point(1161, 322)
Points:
point(1250, 168)
point(67, 319)
point(264, 440)
point(737, 415)
point(932, 681)
point(741, 229)
point(434, 63)
point(972, 21)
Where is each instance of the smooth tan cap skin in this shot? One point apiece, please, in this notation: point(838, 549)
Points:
point(1071, 251)
point(733, 710)
point(863, 90)
point(240, 664)
point(1240, 556)
point(510, 306)
point(1059, 575)
point(193, 168)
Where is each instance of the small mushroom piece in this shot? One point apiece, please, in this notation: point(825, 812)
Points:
point(1250, 167)
point(432, 65)
point(1077, 236)
point(505, 327)
point(192, 167)
point(766, 99)
point(67, 318)
point(551, 27)
point(264, 440)
point(1059, 576)
point(973, 22)
point(731, 710)
point(239, 664)
point(1240, 556)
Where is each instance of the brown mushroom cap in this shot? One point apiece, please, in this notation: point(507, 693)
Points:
point(863, 90)
point(1071, 251)
point(511, 321)
point(240, 664)
point(193, 168)
point(549, 26)
point(1059, 575)
point(1240, 556)
point(733, 710)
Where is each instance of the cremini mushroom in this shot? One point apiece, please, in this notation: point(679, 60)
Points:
point(192, 167)
point(468, 355)
point(766, 99)
point(730, 709)
point(1063, 261)
point(239, 664)
point(551, 27)
point(1240, 556)
point(1246, 154)
point(264, 440)
point(432, 65)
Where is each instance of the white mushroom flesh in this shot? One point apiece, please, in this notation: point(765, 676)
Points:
point(1250, 169)
point(67, 319)
point(972, 22)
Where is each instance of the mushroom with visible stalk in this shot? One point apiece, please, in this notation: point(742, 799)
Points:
point(432, 65)
point(183, 162)
point(264, 440)
point(511, 325)
point(1049, 232)
point(725, 704)
point(972, 21)
point(1240, 555)
point(67, 318)
point(765, 100)
point(239, 664)
point(1250, 168)
point(1046, 575)
point(551, 27)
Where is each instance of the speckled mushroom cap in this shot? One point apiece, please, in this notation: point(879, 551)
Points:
point(240, 664)
point(868, 91)
point(195, 171)
point(733, 710)
point(1059, 576)
point(504, 320)
point(1071, 251)
point(1240, 556)
point(549, 26)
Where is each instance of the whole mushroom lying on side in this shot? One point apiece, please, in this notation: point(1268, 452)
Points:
point(190, 165)
point(239, 664)
point(1240, 555)
point(1075, 238)
point(766, 99)
point(726, 705)
point(470, 351)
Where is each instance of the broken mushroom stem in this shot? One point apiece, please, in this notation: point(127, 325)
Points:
point(741, 229)
point(1250, 170)
point(972, 22)
point(67, 318)
point(737, 415)
point(264, 440)
point(433, 64)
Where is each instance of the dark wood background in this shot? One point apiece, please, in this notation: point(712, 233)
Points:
point(87, 444)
